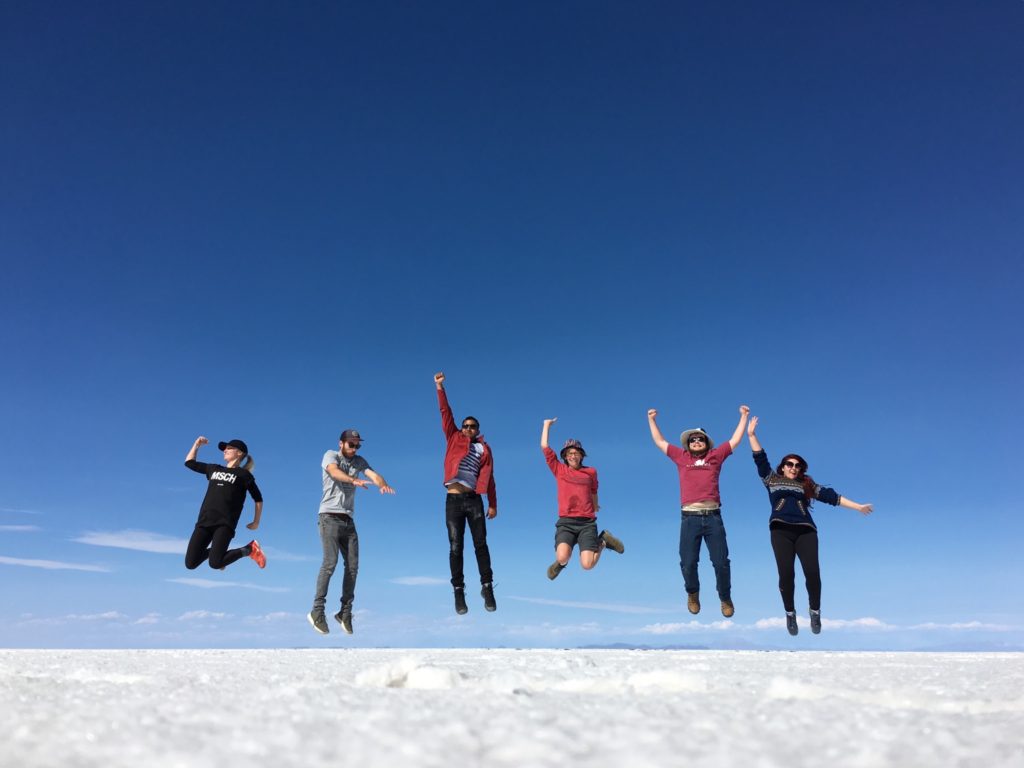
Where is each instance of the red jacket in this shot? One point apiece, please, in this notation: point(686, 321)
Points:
point(458, 447)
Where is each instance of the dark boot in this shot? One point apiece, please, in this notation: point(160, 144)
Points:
point(487, 593)
point(460, 601)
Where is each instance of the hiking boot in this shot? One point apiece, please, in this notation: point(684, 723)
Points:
point(554, 569)
point(728, 609)
point(344, 617)
point(816, 622)
point(612, 543)
point(791, 623)
point(319, 622)
point(487, 593)
point(460, 601)
point(693, 602)
point(256, 553)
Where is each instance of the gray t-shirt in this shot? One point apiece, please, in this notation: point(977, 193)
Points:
point(340, 498)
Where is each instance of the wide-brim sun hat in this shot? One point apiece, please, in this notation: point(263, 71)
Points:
point(684, 438)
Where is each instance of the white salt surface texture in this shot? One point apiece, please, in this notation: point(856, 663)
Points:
point(455, 708)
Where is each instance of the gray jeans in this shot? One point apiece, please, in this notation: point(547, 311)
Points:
point(337, 534)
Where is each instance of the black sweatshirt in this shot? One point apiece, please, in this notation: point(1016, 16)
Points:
point(225, 495)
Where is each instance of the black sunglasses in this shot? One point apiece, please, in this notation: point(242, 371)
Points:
point(471, 426)
point(697, 439)
point(792, 464)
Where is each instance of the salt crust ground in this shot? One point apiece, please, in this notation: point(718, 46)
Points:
point(403, 709)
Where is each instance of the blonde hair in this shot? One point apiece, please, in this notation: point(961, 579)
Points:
point(249, 463)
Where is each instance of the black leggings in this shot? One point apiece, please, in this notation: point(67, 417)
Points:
point(213, 543)
point(788, 543)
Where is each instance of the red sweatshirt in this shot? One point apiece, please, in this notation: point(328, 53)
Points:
point(458, 447)
point(576, 487)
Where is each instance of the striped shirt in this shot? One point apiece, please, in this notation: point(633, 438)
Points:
point(469, 467)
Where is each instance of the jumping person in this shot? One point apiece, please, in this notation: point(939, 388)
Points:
point(700, 464)
point(577, 506)
point(341, 470)
point(468, 473)
point(222, 506)
point(793, 532)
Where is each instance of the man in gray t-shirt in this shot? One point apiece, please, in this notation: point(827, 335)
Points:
point(341, 470)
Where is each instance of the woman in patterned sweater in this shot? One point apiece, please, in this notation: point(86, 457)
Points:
point(793, 532)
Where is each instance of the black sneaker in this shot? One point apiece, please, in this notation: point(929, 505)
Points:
point(460, 601)
point(487, 593)
point(319, 622)
point(554, 569)
point(791, 623)
point(612, 543)
point(344, 618)
point(816, 622)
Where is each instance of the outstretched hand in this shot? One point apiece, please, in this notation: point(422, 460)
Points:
point(386, 489)
point(439, 379)
point(866, 509)
point(549, 422)
point(752, 426)
point(744, 410)
point(652, 413)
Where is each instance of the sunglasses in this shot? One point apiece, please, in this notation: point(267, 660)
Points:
point(793, 464)
point(471, 426)
point(353, 445)
point(697, 439)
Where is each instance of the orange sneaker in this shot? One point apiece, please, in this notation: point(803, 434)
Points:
point(256, 553)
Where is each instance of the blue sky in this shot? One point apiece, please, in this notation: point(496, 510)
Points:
point(273, 223)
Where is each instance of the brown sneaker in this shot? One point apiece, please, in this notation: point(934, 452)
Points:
point(693, 602)
point(727, 609)
point(612, 542)
point(554, 569)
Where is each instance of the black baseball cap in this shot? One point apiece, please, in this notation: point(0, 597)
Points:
point(351, 435)
point(239, 444)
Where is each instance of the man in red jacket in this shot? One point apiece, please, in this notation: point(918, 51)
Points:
point(468, 473)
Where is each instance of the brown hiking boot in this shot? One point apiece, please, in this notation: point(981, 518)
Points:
point(727, 609)
point(554, 569)
point(612, 542)
point(693, 602)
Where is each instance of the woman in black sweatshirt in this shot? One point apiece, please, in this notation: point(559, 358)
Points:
point(218, 516)
point(793, 532)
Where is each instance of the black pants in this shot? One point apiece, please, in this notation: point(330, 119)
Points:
point(459, 509)
point(212, 543)
point(788, 543)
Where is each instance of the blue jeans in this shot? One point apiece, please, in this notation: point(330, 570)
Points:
point(337, 534)
point(711, 530)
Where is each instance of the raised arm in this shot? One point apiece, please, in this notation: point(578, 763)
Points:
point(656, 436)
point(755, 444)
point(737, 434)
point(447, 419)
point(545, 430)
point(194, 450)
point(379, 481)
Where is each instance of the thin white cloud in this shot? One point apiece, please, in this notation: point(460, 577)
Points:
point(273, 553)
point(73, 617)
point(19, 528)
point(686, 626)
point(214, 584)
point(106, 616)
point(19, 511)
point(965, 625)
point(52, 565)
point(611, 607)
point(269, 618)
point(197, 615)
point(141, 541)
point(149, 618)
point(418, 581)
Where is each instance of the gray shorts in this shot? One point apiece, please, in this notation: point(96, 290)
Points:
point(578, 531)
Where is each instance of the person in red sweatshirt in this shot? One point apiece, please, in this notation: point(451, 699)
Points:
point(468, 474)
point(577, 506)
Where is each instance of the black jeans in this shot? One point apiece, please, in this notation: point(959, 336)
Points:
point(337, 534)
point(459, 509)
point(788, 543)
point(212, 543)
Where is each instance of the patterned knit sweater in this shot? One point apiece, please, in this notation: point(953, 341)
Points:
point(789, 505)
